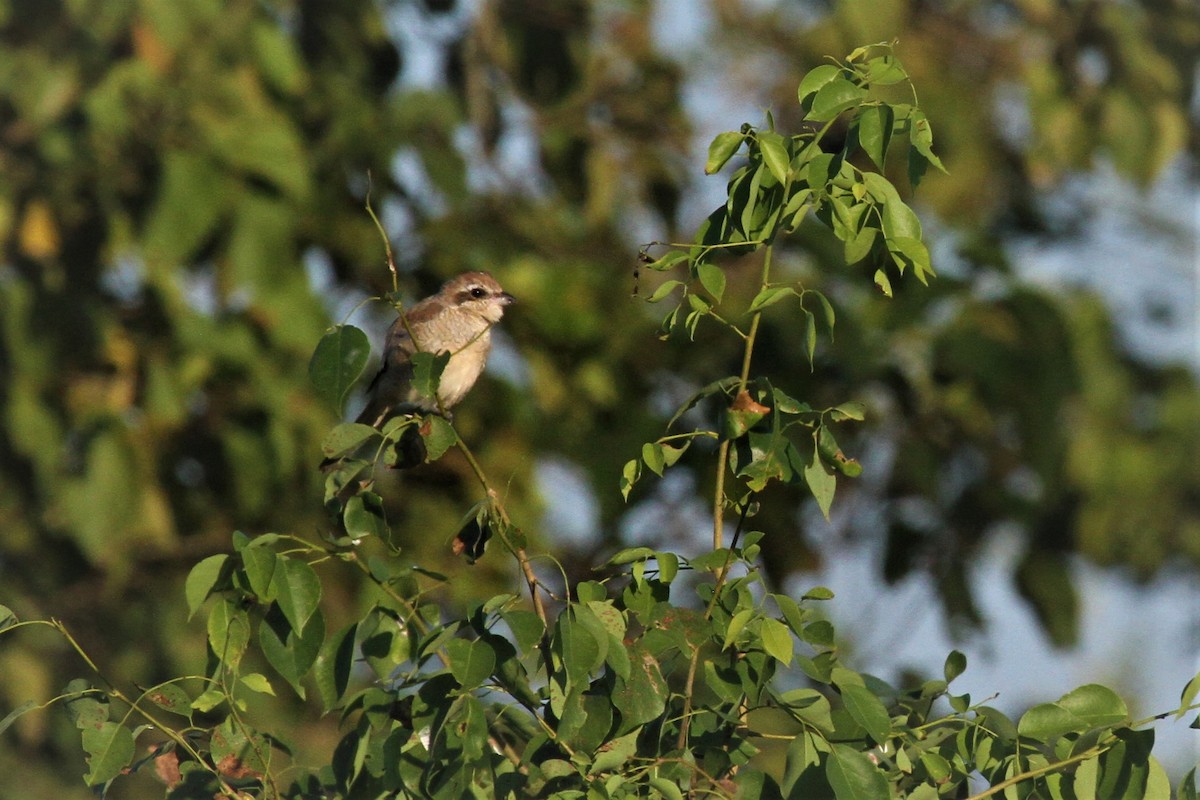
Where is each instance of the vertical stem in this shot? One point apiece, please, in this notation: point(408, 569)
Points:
point(743, 379)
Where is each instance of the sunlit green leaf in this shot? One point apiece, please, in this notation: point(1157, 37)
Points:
point(821, 482)
point(883, 282)
point(853, 776)
point(770, 296)
point(775, 154)
point(257, 682)
point(712, 278)
point(664, 289)
point(777, 640)
point(833, 98)
point(722, 149)
point(816, 78)
point(875, 132)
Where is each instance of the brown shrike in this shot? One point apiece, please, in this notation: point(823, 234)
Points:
point(457, 320)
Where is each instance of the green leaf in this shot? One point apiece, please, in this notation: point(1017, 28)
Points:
point(630, 555)
point(818, 593)
point(7, 617)
point(833, 98)
point(821, 482)
point(526, 626)
point(439, 436)
point(875, 132)
point(208, 700)
point(337, 363)
point(881, 280)
point(770, 296)
point(346, 438)
point(816, 78)
point(641, 697)
point(1086, 708)
point(201, 580)
point(867, 710)
point(257, 682)
point(852, 409)
point(471, 662)
point(172, 698)
point(1188, 695)
point(736, 625)
point(669, 789)
point(777, 641)
point(580, 649)
point(1187, 786)
point(897, 218)
point(956, 664)
point(819, 633)
point(722, 149)
point(333, 666)
point(297, 591)
point(614, 753)
point(668, 261)
point(231, 744)
point(629, 476)
point(427, 372)
point(19, 711)
point(664, 289)
point(364, 516)
point(1096, 706)
point(228, 632)
point(258, 562)
point(853, 776)
point(668, 566)
point(920, 135)
point(775, 154)
point(911, 252)
point(859, 246)
point(110, 747)
point(652, 454)
point(712, 278)
point(810, 335)
point(791, 612)
point(811, 706)
point(291, 654)
point(885, 70)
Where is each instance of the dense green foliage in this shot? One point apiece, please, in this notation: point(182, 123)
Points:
point(181, 211)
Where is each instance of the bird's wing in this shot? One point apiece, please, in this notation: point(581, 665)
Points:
point(389, 388)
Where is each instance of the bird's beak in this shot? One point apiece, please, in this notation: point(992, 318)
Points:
point(507, 298)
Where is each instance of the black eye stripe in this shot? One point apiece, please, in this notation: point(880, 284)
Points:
point(473, 293)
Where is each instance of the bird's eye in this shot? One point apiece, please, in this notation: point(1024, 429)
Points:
point(478, 292)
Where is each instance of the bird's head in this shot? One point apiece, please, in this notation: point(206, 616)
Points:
point(477, 293)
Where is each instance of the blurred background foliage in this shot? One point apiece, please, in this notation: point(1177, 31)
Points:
point(182, 186)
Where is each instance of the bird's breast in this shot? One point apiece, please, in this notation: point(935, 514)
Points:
point(463, 370)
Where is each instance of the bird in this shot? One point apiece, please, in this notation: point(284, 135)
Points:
point(457, 320)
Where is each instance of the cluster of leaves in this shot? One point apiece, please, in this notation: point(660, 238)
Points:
point(644, 695)
point(783, 180)
point(628, 688)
